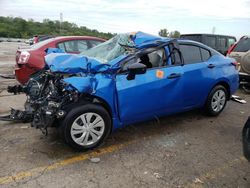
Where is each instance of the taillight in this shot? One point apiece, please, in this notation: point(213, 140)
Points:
point(231, 48)
point(24, 57)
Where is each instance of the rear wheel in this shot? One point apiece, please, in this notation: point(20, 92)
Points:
point(86, 127)
point(216, 100)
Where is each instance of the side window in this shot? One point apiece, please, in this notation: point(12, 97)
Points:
point(191, 54)
point(68, 46)
point(156, 58)
point(222, 42)
point(61, 46)
point(210, 41)
point(151, 60)
point(231, 41)
point(82, 45)
point(205, 54)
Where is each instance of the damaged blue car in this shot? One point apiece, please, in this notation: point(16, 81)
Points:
point(130, 78)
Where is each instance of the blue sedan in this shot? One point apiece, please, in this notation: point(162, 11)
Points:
point(134, 77)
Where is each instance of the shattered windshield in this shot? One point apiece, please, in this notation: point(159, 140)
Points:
point(119, 45)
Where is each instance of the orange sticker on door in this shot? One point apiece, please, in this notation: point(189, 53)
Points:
point(159, 73)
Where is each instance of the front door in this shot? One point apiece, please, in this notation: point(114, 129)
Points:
point(155, 93)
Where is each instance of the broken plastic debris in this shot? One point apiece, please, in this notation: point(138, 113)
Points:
point(157, 175)
point(238, 99)
point(24, 127)
point(197, 180)
point(95, 160)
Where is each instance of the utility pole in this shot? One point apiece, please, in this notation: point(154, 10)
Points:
point(213, 30)
point(61, 21)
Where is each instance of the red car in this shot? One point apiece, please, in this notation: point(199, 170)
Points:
point(30, 60)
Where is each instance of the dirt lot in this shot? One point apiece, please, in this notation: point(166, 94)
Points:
point(184, 150)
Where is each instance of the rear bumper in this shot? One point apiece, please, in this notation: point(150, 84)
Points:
point(246, 139)
point(244, 77)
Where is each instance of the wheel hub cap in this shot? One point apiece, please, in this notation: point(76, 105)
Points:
point(87, 129)
point(218, 100)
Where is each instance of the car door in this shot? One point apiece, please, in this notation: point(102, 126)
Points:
point(197, 77)
point(155, 93)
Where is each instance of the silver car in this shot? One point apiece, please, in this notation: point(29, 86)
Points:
point(240, 51)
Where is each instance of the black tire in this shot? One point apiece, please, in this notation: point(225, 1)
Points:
point(246, 139)
point(208, 106)
point(74, 114)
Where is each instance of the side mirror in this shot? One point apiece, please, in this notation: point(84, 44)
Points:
point(136, 68)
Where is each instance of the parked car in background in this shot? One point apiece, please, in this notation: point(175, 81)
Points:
point(39, 38)
point(241, 52)
point(30, 60)
point(221, 43)
point(132, 77)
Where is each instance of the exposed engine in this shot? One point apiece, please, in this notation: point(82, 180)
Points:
point(46, 99)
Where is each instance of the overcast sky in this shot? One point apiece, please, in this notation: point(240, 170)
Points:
point(186, 16)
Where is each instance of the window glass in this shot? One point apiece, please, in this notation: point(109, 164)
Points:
point(231, 41)
point(243, 45)
point(61, 46)
point(222, 42)
point(210, 41)
point(82, 45)
point(191, 54)
point(71, 46)
point(205, 54)
point(153, 59)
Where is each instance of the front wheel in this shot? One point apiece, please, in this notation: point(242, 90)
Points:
point(216, 100)
point(86, 127)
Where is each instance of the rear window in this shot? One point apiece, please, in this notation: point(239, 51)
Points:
point(243, 45)
point(42, 43)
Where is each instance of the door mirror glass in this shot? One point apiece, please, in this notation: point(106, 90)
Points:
point(136, 68)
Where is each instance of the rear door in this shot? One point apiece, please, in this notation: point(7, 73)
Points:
point(197, 74)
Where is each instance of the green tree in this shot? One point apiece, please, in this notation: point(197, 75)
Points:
point(18, 27)
point(174, 34)
point(164, 33)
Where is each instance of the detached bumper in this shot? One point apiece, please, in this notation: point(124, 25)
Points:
point(246, 139)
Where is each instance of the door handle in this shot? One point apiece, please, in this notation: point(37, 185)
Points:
point(174, 75)
point(211, 66)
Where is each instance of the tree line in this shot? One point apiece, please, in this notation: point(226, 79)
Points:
point(16, 27)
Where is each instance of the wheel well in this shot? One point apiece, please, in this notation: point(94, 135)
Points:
point(226, 85)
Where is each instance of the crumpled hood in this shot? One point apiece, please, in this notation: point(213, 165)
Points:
point(72, 63)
